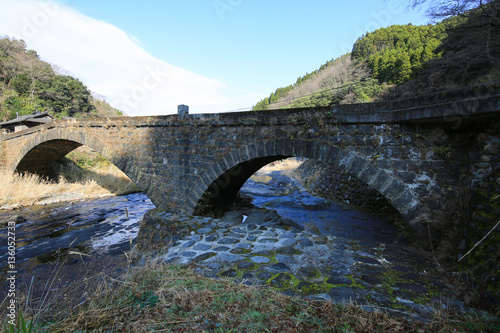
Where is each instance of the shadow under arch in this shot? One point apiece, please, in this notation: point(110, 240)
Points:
point(41, 156)
point(42, 159)
point(218, 187)
point(221, 193)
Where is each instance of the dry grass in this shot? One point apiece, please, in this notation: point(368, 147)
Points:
point(162, 298)
point(96, 178)
point(287, 166)
point(45, 293)
point(27, 189)
point(100, 179)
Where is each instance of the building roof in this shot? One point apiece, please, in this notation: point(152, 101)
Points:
point(37, 119)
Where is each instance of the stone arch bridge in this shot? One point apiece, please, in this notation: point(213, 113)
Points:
point(421, 154)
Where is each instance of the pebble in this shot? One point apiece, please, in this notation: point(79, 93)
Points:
point(247, 246)
point(202, 247)
point(228, 241)
point(239, 231)
point(485, 158)
point(288, 235)
point(222, 249)
point(424, 179)
point(230, 258)
point(189, 244)
point(245, 265)
point(195, 238)
point(289, 260)
point(492, 148)
point(268, 240)
point(305, 242)
point(260, 260)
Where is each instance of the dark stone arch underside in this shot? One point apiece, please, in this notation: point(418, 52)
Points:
point(42, 159)
point(220, 195)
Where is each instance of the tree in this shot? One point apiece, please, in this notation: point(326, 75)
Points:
point(402, 67)
point(66, 95)
point(22, 84)
point(479, 28)
point(442, 9)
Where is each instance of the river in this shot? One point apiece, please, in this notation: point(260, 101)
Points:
point(96, 226)
point(356, 255)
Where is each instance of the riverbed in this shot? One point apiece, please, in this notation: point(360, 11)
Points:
point(302, 245)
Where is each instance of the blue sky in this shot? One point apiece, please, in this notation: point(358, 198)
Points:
point(214, 55)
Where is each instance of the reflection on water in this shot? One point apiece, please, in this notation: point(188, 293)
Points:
point(292, 201)
point(101, 225)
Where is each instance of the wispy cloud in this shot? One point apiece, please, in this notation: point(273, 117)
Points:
point(108, 60)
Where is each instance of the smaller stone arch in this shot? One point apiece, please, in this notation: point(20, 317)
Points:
point(40, 154)
point(41, 160)
point(218, 186)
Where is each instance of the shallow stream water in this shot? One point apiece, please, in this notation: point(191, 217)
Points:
point(110, 225)
point(292, 201)
point(101, 226)
point(354, 255)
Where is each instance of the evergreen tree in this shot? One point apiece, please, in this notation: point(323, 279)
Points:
point(28, 84)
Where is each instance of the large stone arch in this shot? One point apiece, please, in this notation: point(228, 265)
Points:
point(219, 185)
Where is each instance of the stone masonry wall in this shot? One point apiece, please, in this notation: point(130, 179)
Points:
point(472, 213)
point(331, 183)
point(477, 235)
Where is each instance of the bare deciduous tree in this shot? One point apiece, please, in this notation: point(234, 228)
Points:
point(441, 9)
point(338, 73)
point(472, 46)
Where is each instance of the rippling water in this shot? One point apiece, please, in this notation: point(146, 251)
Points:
point(102, 225)
point(290, 200)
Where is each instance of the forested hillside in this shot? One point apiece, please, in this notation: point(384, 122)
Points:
point(28, 84)
point(398, 53)
point(396, 61)
point(351, 82)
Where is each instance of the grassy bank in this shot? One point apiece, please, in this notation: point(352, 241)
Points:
point(83, 174)
point(162, 298)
